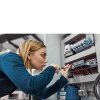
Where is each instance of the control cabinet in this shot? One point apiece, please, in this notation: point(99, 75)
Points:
point(83, 52)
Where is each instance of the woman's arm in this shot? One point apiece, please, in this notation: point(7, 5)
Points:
point(15, 70)
point(53, 88)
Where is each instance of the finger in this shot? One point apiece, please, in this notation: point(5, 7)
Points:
point(67, 66)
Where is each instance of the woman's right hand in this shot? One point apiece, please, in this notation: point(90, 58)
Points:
point(56, 66)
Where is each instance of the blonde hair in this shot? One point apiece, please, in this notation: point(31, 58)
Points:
point(26, 47)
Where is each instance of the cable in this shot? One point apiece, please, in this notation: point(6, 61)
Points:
point(95, 87)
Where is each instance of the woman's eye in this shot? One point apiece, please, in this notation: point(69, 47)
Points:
point(43, 55)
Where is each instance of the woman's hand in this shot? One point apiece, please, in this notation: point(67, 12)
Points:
point(57, 67)
point(64, 70)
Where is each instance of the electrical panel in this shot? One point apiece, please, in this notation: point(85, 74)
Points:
point(80, 51)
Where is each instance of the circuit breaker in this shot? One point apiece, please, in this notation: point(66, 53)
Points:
point(80, 51)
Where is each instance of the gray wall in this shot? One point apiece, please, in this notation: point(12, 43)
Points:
point(53, 44)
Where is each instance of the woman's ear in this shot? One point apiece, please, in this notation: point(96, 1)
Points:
point(29, 57)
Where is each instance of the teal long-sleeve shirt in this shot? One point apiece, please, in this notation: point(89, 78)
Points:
point(13, 75)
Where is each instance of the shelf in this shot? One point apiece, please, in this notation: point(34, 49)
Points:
point(81, 55)
point(72, 37)
point(81, 79)
point(92, 52)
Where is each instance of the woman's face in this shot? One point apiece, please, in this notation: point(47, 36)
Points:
point(38, 59)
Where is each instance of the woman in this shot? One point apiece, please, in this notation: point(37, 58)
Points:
point(14, 74)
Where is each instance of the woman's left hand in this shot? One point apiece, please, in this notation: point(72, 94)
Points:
point(65, 70)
